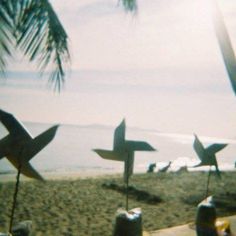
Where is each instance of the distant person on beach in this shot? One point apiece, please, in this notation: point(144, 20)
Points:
point(165, 168)
point(182, 169)
point(151, 168)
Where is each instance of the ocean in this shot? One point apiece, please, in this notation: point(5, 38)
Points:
point(71, 150)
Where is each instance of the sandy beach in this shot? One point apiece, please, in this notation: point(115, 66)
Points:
point(87, 206)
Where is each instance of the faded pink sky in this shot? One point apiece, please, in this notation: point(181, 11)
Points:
point(160, 69)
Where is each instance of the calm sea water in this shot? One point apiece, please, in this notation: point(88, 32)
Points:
point(71, 150)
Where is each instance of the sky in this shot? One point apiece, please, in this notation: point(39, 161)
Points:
point(160, 68)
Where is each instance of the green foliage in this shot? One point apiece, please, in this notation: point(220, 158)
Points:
point(33, 27)
point(6, 30)
point(130, 5)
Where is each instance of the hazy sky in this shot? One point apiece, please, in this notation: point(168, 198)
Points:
point(160, 69)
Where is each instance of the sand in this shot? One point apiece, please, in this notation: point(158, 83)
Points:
point(189, 229)
point(87, 206)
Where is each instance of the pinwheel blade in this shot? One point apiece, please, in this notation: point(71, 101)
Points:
point(198, 147)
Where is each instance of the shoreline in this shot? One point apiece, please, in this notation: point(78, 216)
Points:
point(89, 173)
point(62, 175)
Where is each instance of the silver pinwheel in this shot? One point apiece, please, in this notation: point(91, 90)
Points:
point(123, 150)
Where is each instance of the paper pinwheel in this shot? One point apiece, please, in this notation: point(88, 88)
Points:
point(207, 155)
point(19, 147)
point(123, 150)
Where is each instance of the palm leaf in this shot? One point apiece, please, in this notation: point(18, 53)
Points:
point(38, 33)
point(214, 148)
point(225, 44)
point(198, 147)
point(33, 27)
point(41, 36)
point(130, 5)
point(6, 33)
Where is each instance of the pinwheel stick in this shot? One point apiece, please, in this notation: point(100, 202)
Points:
point(127, 183)
point(127, 194)
point(208, 182)
point(15, 197)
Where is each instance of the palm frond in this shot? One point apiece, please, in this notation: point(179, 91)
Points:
point(6, 32)
point(225, 44)
point(41, 36)
point(130, 5)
